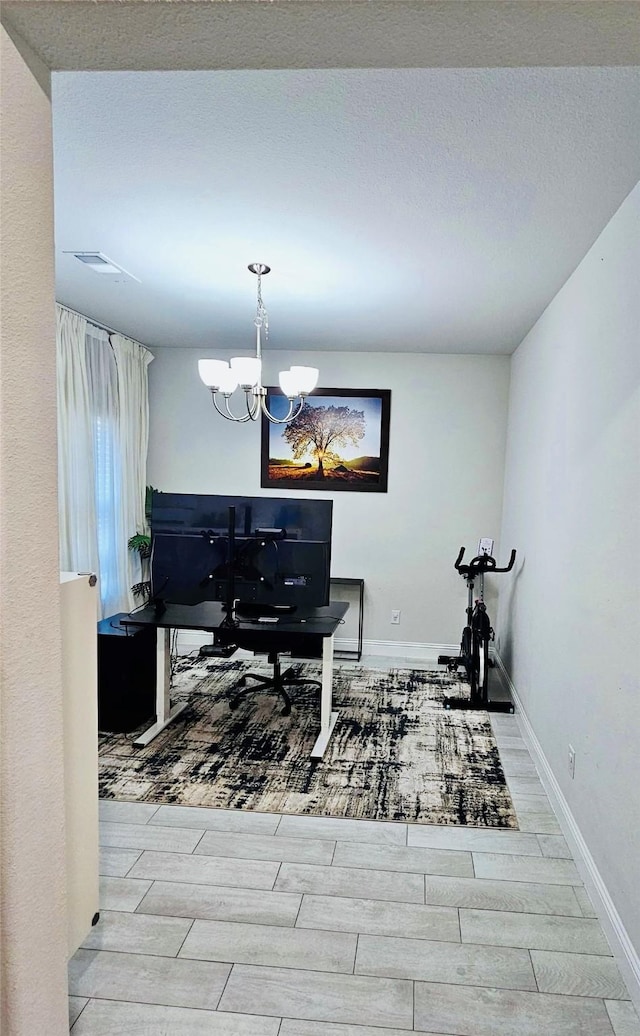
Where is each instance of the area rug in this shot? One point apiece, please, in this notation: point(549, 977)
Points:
point(395, 753)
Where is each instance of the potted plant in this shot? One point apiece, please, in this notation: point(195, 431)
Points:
point(140, 543)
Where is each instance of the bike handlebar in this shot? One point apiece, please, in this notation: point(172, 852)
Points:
point(482, 563)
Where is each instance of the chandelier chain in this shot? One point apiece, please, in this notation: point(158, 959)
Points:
point(262, 319)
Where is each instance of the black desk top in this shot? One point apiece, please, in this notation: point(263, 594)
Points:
point(209, 616)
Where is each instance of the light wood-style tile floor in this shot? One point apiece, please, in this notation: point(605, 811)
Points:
point(229, 923)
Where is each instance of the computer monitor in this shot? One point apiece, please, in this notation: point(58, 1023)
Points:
point(269, 554)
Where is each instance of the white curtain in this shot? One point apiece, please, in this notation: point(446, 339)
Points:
point(103, 429)
point(76, 493)
point(132, 362)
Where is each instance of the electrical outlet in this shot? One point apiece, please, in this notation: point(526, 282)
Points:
point(395, 618)
point(572, 762)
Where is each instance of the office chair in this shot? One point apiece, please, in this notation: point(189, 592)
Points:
point(278, 682)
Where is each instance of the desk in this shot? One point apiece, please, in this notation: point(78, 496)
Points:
point(303, 633)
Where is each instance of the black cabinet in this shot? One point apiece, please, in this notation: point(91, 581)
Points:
point(126, 675)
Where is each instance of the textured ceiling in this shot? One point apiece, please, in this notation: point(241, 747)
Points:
point(433, 210)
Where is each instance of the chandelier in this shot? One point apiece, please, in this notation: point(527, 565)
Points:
point(245, 372)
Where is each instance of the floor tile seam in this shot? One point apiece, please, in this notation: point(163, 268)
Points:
point(127, 823)
point(463, 945)
point(300, 905)
point(148, 892)
point(277, 839)
point(535, 976)
point(221, 920)
point(148, 849)
point(349, 895)
point(571, 953)
point(470, 832)
point(186, 935)
point(305, 972)
point(275, 880)
point(285, 928)
point(147, 826)
point(602, 996)
point(380, 870)
point(126, 874)
point(139, 953)
point(347, 969)
point(208, 884)
point(386, 870)
point(318, 836)
point(456, 985)
point(564, 996)
point(246, 889)
point(529, 948)
point(80, 1012)
point(177, 1007)
point(579, 917)
point(425, 848)
point(253, 859)
point(522, 881)
point(193, 851)
point(134, 913)
point(518, 913)
point(373, 935)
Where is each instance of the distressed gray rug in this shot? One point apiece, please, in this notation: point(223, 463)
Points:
point(395, 753)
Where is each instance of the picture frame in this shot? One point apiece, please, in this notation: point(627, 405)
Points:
point(338, 443)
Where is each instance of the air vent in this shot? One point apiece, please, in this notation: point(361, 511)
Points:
point(102, 264)
point(98, 262)
point(92, 260)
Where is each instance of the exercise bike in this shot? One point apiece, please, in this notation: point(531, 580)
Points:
point(476, 636)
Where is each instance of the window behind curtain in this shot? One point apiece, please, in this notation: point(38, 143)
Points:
point(107, 473)
point(107, 476)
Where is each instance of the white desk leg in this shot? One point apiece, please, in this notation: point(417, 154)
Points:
point(327, 716)
point(164, 713)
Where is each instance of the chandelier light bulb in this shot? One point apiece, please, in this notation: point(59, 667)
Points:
point(228, 381)
point(307, 379)
point(289, 384)
point(211, 372)
point(248, 370)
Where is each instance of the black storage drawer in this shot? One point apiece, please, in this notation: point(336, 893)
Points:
point(126, 675)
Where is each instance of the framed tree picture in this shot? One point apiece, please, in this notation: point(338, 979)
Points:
point(338, 442)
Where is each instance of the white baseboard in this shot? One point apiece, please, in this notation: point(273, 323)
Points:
point(191, 640)
point(621, 945)
point(408, 649)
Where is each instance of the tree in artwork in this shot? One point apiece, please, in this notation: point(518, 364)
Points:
point(321, 432)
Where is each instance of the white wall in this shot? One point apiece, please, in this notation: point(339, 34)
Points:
point(446, 457)
point(570, 623)
point(33, 943)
